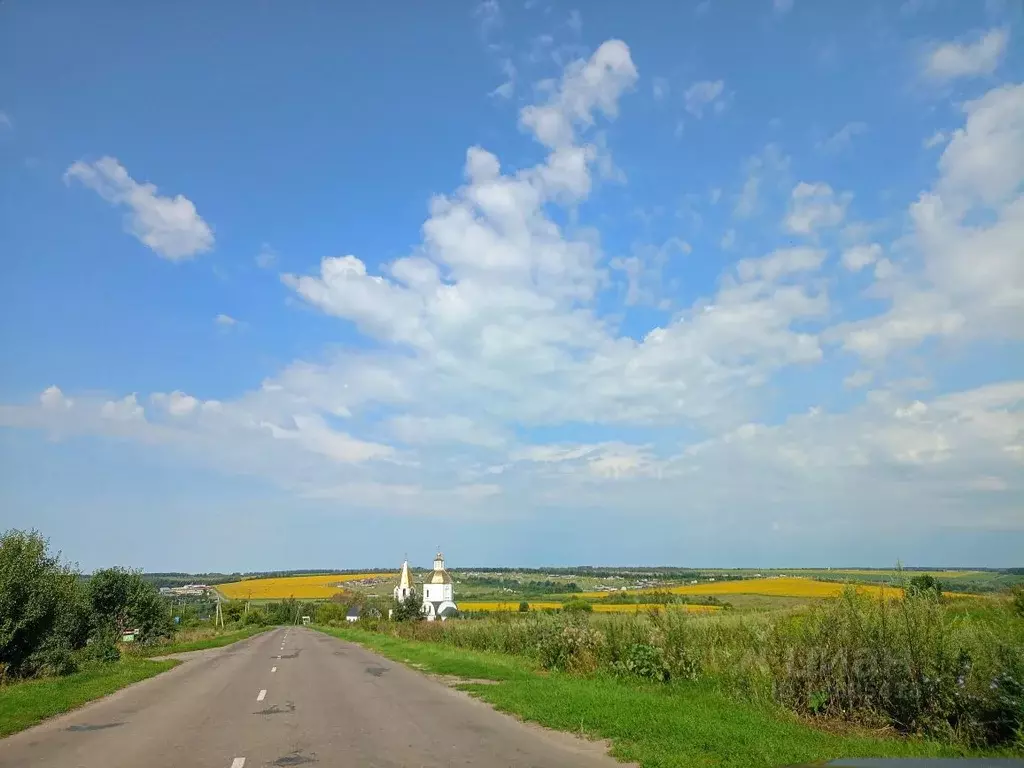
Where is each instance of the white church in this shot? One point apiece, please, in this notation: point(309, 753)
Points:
point(438, 590)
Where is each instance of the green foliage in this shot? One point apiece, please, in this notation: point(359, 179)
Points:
point(122, 600)
point(644, 661)
point(1017, 599)
point(577, 606)
point(925, 585)
point(524, 606)
point(409, 609)
point(331, 613)
point(949, 669)
point(42, 615)
point(102, 648)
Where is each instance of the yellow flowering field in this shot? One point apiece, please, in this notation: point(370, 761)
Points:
point(495, 606)
point(789, 586)
point(300, 587)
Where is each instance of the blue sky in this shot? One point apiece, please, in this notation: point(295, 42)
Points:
point(718, 284)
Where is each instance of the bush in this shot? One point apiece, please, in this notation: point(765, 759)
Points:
point(102, 648)
point(122, 601)
point(1017, 599)
point(42, 613)
point(924, 585)
point(524, 607)
point(577, 606)
point(644, 661)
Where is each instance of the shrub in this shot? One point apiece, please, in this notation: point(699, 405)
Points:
point(644, 661)
point(1017, 599)
point(524, 607)
point(577, 606)
point(42, 613)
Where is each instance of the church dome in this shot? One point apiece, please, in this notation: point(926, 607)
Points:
point(438, 577)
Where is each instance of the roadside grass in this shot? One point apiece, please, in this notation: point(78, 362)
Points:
point(656, 725)
point(195, 642)
point(479, 665)
point(26, 703)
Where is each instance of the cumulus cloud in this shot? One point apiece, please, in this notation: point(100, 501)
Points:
point(505, 321)
point(860, 256)
point(815, 206)
point(972, 58)
point(170, 226)
point(966, 231)
point(586, 87)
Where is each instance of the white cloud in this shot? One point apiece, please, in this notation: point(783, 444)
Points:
point(444, 429)
point(860, 256)
point(590, 86)
point(488, 15)
point(768, 166)
point(225, 321)
point(52, 398)
point(499, 322)
point(575, 21)
point(780, 263)
point(815, 206)
point(782, 6)
point(170, 226)
point(508, 88)
point(267, 257)
point(704, 94)
point(967, 59)
point(728, 240)
point(966, 231)
point(858, 379)
point(5, 121)
point(841, 139)
point(176, 403)
point(935, 140)
point(125, 409)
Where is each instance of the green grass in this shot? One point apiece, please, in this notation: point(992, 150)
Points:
point(197, 644)
point(25, 704)
point(658, 726)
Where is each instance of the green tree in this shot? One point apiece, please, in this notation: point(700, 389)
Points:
point(923, 585)
point(41, 610)
point(409, 609)
point(524, 607)
point(121, 600)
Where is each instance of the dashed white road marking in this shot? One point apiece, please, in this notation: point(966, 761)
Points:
point(273, 669)
point(238, 762)
point(262, 696)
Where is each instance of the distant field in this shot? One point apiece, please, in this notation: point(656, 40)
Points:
point(540, 605)
point(300, 587)
point(790, 586)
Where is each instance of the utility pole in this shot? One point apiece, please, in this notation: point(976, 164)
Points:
point(219, 617)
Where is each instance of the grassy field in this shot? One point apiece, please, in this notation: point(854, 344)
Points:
point(194, 640)
point(658, 726)
point(301, 587)
point(25, 704)
point(541, 605)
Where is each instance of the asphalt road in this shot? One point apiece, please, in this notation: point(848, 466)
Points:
point(292, 697)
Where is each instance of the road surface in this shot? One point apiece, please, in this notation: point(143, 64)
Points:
point(292, 697)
